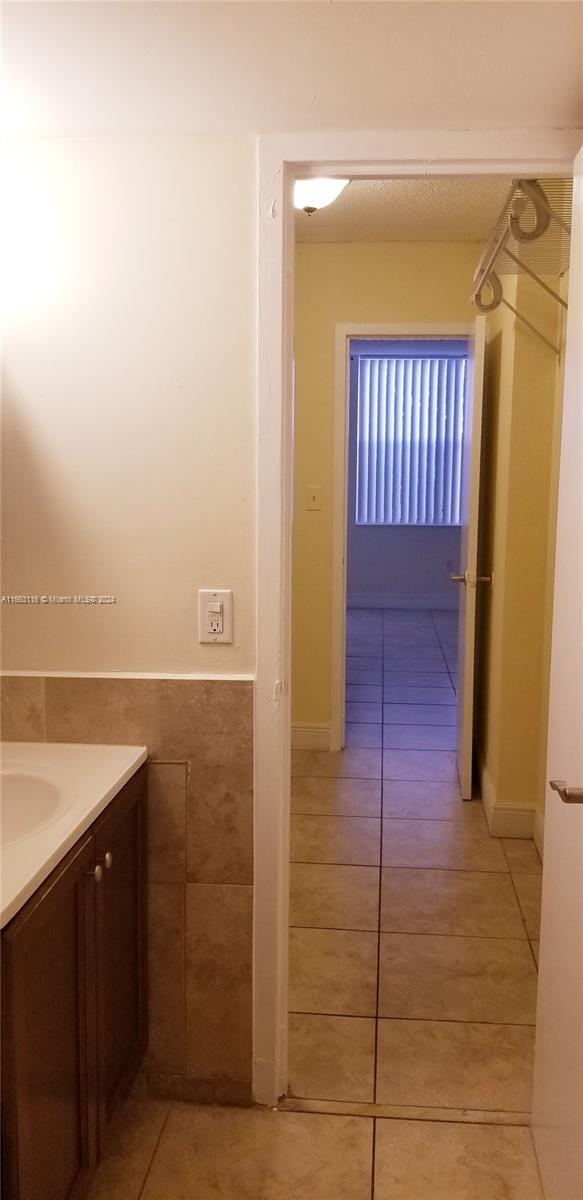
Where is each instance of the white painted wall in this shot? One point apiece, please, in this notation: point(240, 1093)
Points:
point(129, 388)
point(270, 67)
point(129, 400)
point(390, 566)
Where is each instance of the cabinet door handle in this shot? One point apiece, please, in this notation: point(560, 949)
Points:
point(97, 873)
point(107, 860)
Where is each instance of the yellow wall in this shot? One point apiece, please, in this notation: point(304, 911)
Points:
point(560, 322)
point(335, 284)
point(517, 544)
point(422, 283)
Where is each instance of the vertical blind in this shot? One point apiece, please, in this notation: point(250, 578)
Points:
point(410, 420)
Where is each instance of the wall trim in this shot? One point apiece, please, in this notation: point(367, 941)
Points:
point(211, 677)
point(378, 600)
point(310, 737)
point(539, 831)
point(503, 820)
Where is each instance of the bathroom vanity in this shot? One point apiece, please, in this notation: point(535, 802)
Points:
point(74, 1013)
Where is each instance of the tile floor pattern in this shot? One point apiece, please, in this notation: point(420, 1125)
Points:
point(160, 1151)
point(413, 932)
point(413, 975)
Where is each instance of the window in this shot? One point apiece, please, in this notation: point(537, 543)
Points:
point(409, 433)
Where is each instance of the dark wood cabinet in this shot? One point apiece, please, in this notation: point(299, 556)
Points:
point(120, 850)
point(74, 1005)
point(48, 1043)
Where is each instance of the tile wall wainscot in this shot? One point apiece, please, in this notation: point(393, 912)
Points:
point(199, 735)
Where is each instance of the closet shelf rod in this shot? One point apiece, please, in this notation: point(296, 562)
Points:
point(485, 268)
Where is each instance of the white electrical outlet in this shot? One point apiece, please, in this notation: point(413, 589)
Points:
point(215, 615)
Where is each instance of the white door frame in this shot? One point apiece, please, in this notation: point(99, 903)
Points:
point(281, 159)
point(344, 334)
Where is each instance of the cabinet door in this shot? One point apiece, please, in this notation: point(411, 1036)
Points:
point(121, 943)
point(49, 1036)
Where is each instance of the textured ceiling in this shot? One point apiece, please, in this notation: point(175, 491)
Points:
point(408, 210)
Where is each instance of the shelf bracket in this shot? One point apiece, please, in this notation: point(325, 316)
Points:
point(530, 325)
point(522, 193)
point(537, 278)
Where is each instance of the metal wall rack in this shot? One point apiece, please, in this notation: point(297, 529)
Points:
point(532, 236)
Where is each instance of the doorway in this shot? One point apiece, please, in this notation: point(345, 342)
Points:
point(398, 892)
point(281, 160)
point(408, 482)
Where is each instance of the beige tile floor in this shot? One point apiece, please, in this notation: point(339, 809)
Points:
point(183, 1152)
point(442, 1016)
point(412, 975)
point(412, 930)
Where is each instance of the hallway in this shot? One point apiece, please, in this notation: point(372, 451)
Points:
point(412, 974)
point(414, 933)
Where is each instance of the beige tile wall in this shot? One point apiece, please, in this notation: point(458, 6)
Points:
point(199, 736)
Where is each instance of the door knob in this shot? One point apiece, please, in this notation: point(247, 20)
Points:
point(107, 860)
point(470, 580)
point(97, 873)
point(568, 795)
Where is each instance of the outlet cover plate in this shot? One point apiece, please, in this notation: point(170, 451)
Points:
point(208, 596)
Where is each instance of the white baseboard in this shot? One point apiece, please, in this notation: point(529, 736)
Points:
point(379, 600)
point(504, 821)
point(310, 737)
point(539, 831)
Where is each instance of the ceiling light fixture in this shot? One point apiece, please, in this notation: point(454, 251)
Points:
point(311, 194)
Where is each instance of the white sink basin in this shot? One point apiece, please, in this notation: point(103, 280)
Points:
point(50, 793)
point(27, 803)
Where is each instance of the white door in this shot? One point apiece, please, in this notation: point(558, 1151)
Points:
point(467, 577)
point(558, 1095)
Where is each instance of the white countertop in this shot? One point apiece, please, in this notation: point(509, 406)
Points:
point(86, 778)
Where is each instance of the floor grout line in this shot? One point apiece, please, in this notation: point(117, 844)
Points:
point(334, 817)
point(354, 778)
point(305, 1012)
point(443, 653)
point(522, 916)
point(309, 862)
point(154, 1153)
point(379, 906)
point(376, 866)
point(401, 704)
point(409, 687)
point(382, 1104)
point(373, 1157)
point(409, 1112)
point(476, 937)
point(337, 928)
point(395, 817)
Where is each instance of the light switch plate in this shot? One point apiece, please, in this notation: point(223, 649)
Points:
point(207, 616)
